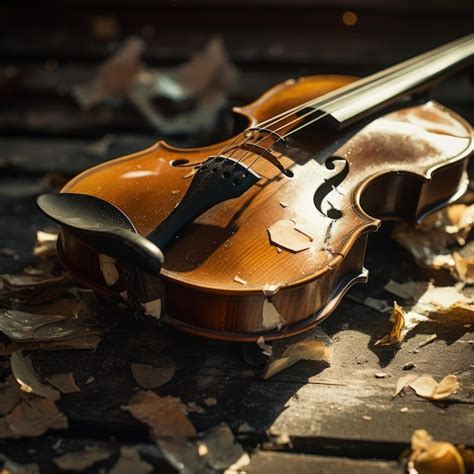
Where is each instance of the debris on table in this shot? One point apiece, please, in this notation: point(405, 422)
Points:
point(287, 352)
point(130, 461)
point(427, 387)
point(434, 457)
point(395, 336)
point(435, 244)
point(27, 379)
point(165, 416)
point(80, 460)
point(216, 450)
point(154, 376)
point(445, 306)
point(32, 417)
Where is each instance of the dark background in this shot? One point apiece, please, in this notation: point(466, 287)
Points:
point(45, 47)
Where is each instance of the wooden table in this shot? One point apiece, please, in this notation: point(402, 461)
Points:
point(339, 418)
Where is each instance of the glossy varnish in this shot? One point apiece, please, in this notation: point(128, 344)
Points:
point(400, 166)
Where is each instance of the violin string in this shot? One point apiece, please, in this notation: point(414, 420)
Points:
point(342, 97)
point(335, 96)
point(353, 88)
point(369, 79)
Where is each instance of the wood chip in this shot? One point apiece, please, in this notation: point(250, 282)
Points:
point(193, 407)
point(166, 416)
point(26, 377)
point(34, 417)
point(210, 401)
point(307, 349)
point(271, 318)
point(395, 336)
point(285, 235)
point(270, 289)
point(240, 280)
point(65, 383)
point(108, 269)
point(149, 376)
point(427, 387)
point(80, 460)
point(130, 462)
point(153, 308)
point(264, 347)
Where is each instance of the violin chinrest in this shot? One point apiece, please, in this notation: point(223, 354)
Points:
point(104, 227)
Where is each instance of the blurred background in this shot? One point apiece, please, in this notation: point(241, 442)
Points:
point(129, 71)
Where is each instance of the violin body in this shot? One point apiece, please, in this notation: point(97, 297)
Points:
point(223, 275)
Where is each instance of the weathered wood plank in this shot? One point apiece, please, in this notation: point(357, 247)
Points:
point(308, 401)
point(279, 463)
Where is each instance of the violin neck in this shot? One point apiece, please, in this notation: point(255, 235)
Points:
point(408, 79)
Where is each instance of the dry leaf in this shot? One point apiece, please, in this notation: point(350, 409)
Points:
point(130, 462)
point(427, 387)
point(153, 308)
point(34, 417)
point(26, 377)
point(464, 266)
point(149, 376)
point(204, 82)
point(166, 416)
point(108, 269)
point(9, 395)
point(433, 457)
point(33, 281)
point(307, 349)
point(80, 460)
point(443, 305)
point(284, 234)
point(21, 326)
point(396, 333)
point(403, 382)
point(114, 78)
point(65, 383)
point(431, 244)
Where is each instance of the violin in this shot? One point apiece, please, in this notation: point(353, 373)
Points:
point(262, 234)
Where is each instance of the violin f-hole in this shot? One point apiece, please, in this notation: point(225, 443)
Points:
point(330, 185)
